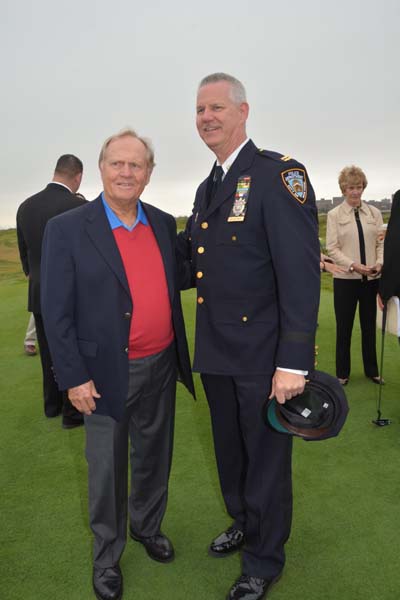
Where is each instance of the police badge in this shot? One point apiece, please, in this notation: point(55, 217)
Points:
point(238, 211)
point(295, 181)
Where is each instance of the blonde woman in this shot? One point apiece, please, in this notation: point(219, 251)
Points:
point(354, 243)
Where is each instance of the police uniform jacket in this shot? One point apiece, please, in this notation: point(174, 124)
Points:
point(257, 277)
point(87, 306)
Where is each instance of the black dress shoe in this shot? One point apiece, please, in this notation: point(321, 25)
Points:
point(107, 583)
point(51, 414)
point(158, 546)
point(68, 423)
point(227, 542)
point(251, 588)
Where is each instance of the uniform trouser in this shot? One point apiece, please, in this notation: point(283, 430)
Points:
point(347, 293)
point(148, 423)
point(254, 466)
point(55, 401)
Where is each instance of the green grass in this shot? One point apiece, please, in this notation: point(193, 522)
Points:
point(345, 536)
point(10, 266)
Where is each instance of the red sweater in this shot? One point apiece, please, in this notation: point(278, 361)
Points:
point(151, 328)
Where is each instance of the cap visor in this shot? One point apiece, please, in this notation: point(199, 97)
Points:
point(273, 420)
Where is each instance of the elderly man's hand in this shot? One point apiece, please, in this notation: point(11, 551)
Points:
point(82, 397)
point(286, 385)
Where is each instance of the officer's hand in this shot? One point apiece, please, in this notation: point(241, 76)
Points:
point(82, 397)
point(286, 385)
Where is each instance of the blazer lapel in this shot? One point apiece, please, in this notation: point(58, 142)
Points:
point(228, 187)
point(100, 232)
point(160, 231)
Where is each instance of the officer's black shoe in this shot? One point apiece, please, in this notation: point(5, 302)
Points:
point(107, 583)
point(227, 542)
point(71, 422)
point(158, 547)
point(250, 588)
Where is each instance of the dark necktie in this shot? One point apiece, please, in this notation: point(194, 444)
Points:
point(361, 240)
point(216, 182)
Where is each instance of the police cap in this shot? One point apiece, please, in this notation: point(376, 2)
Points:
point(316, 414)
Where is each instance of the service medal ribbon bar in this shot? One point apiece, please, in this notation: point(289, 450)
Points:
point(239, 208)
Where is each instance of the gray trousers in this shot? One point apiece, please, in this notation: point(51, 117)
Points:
point(148, 423)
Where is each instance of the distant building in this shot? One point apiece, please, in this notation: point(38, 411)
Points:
point(325, 205)
point(336, 200)
point(383, 205)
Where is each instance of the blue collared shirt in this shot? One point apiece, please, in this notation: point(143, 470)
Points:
point(116, 221)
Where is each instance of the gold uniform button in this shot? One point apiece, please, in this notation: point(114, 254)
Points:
point(244, 319)
point(200, 249)
point(200, 300)
point(199, 274)
point(234, 238)
point(204, 225)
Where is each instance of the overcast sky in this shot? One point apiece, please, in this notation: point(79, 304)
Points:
point(322, 80)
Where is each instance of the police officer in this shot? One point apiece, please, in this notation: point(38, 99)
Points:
point(254, 248)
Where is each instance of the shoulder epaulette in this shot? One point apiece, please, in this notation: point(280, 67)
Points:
point(275, 155)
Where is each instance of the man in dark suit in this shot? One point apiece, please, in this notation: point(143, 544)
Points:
point(255, 255)
point(32, 216)
point(114, 321)
point(389, 284)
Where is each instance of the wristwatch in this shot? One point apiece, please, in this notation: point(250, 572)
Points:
point(351, 269)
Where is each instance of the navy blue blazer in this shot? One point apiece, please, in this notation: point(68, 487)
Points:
point(256, 267)
point(87, 306)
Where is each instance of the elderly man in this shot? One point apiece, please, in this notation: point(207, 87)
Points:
point(255, 256)
point(114, 321)
point(32, 216)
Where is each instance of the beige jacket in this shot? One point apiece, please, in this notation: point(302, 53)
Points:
point(342, 241)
